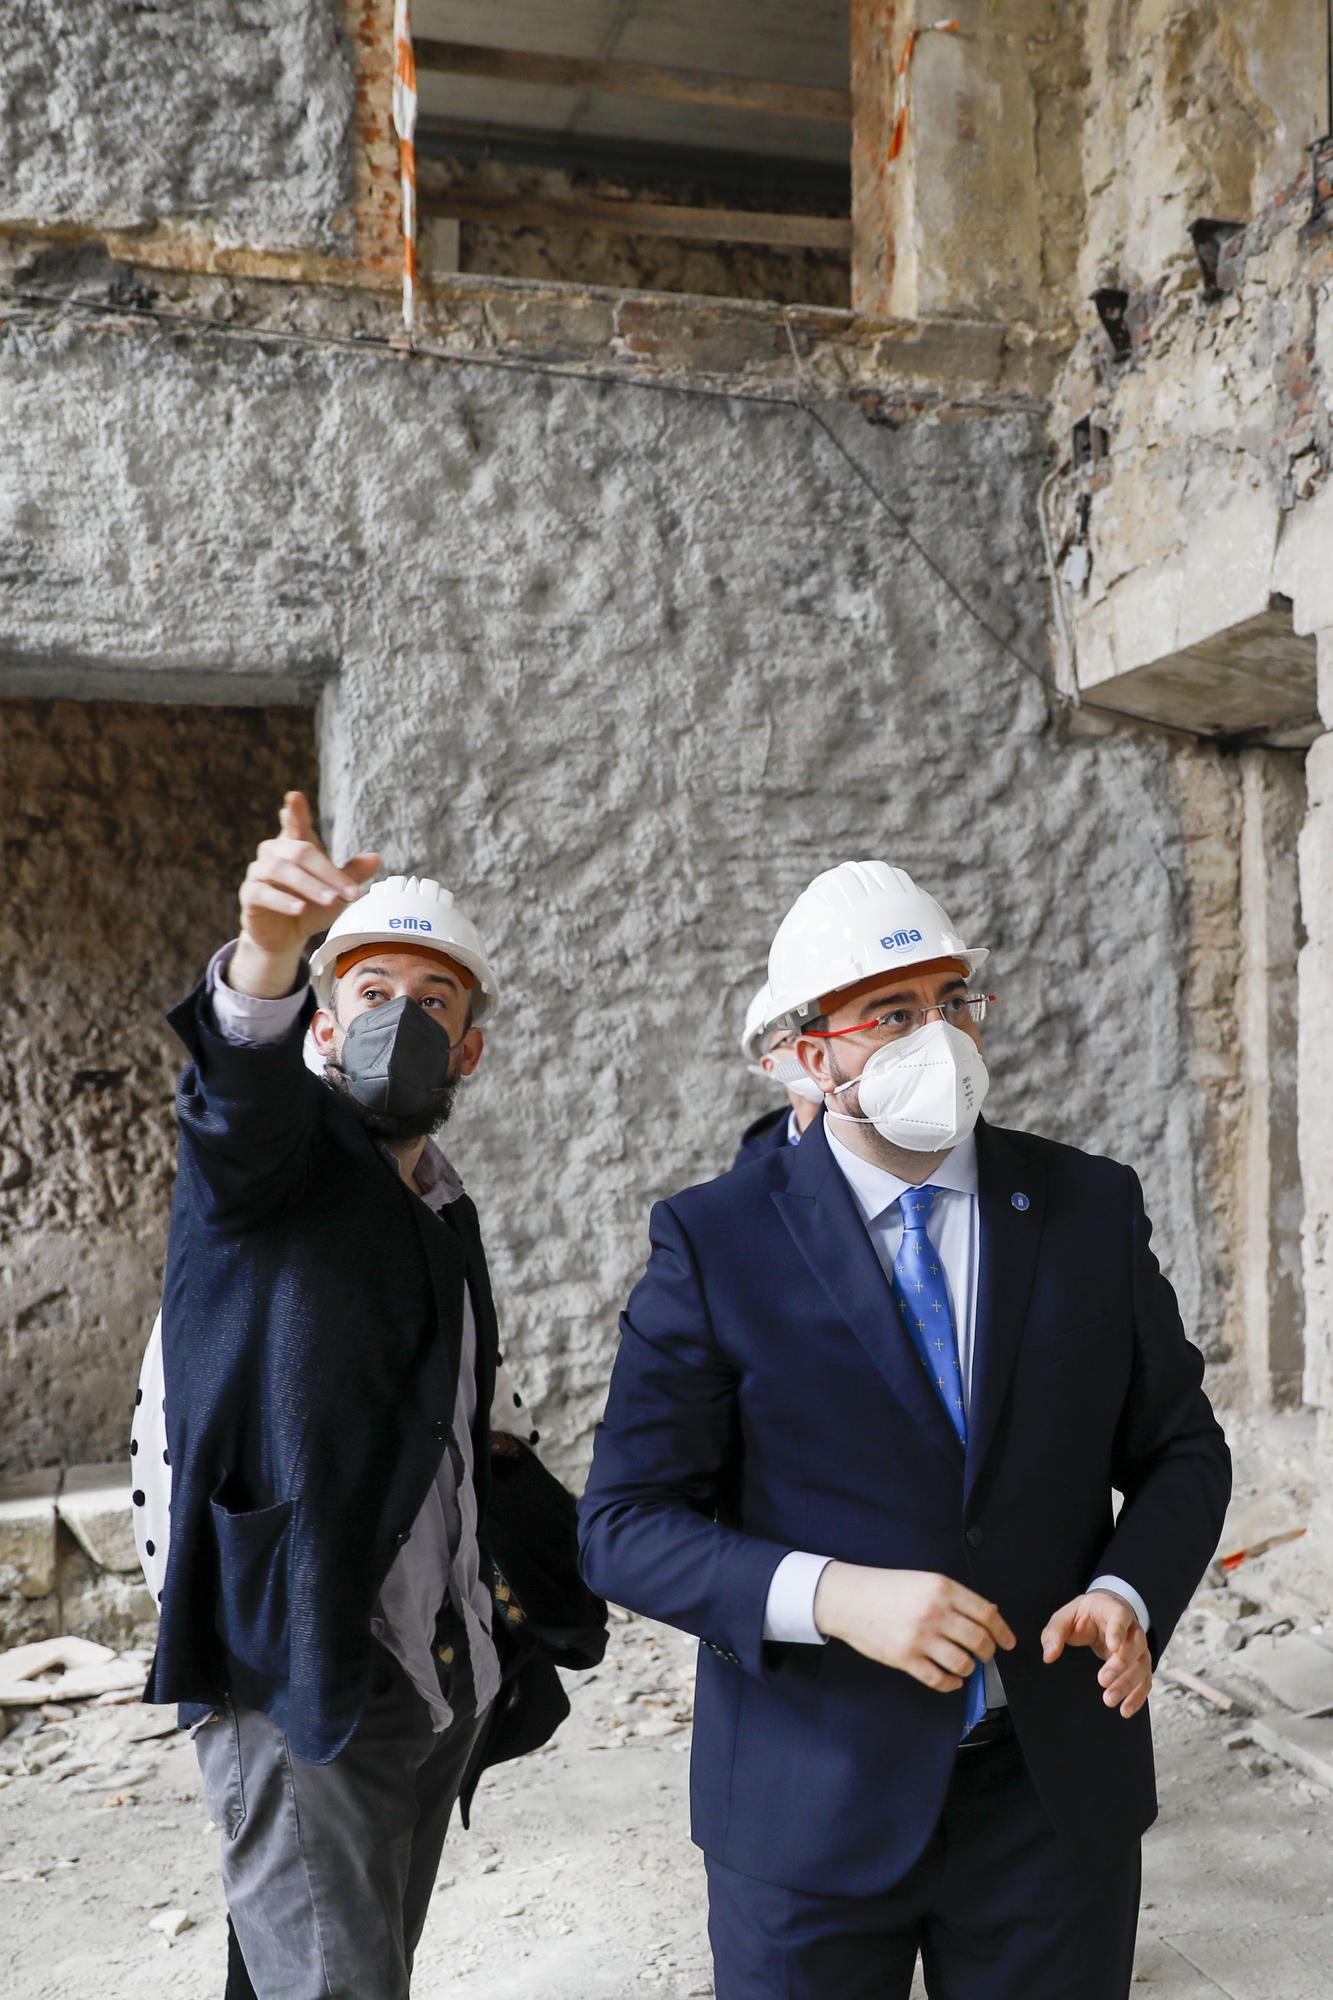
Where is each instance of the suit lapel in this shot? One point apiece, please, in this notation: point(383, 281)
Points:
point(1010, 1241)
point(818, 1208)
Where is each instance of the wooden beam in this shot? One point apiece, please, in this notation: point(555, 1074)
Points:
point(639, 218)
point(619, 79)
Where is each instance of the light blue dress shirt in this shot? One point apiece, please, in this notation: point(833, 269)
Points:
point(954, 1230)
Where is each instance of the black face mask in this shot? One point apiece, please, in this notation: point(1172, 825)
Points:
point(395, 1060)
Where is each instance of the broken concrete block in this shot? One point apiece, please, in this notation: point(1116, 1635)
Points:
point(28, 1531)
point(26, 1618)
point(65, 1669)
point(1296, 1670)
point(94, 1503)
point(104, 1604)
point(171, 1923)
point(84, 1682)
point(1305, 1742)
point(47, 1656)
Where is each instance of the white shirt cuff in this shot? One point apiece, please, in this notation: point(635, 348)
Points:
point(1119, 1588)
point(241, 1017)
point(789, 1614)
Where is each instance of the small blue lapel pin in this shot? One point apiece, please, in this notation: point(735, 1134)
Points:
point(1020, 1201)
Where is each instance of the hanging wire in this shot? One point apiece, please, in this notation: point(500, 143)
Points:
point(817, 417)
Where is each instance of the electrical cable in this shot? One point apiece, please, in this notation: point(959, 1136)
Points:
point(978, 617)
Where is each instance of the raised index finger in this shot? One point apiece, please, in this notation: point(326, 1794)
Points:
point(294, 819)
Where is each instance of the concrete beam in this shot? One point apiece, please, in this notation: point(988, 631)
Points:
point(1273, 806)
point(959, 166)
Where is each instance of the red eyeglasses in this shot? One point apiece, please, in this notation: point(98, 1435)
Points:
point(899, 1021)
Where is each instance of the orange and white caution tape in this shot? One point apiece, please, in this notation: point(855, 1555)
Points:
point(405, 125)
point(901, 84)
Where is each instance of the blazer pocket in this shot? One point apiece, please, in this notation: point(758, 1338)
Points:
point(254, 1549)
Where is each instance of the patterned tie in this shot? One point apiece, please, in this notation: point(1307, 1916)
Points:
point(923, 1299)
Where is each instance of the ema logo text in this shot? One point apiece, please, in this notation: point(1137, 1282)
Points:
point(409, 924)
point(900, 937)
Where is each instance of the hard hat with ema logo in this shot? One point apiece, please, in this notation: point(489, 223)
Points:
point(410, 912)
point(856, 920)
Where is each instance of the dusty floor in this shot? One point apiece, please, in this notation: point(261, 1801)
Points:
point(578, 1881)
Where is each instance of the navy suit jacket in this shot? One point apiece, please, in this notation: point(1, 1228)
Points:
point(766, 1397)
point(765, 1135)
point(311, 1332)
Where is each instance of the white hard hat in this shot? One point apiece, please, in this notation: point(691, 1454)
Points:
point(408, 909)
point(758, 1020)
point(857, 919)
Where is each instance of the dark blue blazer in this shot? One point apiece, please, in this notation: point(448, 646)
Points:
point(765, 1135)
point(766, 1397)
point(311, 1329)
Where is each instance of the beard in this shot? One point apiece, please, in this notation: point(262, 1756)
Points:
point(396, 1128)
point(848, 1100)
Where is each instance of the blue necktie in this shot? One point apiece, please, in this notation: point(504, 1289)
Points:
point(923, 1299)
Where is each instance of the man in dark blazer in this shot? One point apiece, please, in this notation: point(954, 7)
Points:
point(769, 1052)
point(874, 1398)
point(329, 1368)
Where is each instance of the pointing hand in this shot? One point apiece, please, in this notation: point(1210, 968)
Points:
point(1104, 1622)
point(291, 890)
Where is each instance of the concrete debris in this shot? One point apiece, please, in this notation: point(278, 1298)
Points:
point(68, 1560)
point(1238, 1634)
point(66, 1669)
point(94, 1504)
point(43, 1656)
point(171, 1923)
point(1296, 1670)
point(1183, 1678)
point(28, 1531)
point(1232, 1559)
point(160, 1722)
point(1305, 1742)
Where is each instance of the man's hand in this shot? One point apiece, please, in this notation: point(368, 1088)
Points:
point(291, 890)
point(1105, 1622)
point(926, 1625)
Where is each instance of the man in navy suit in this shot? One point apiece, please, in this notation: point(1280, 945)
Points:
point(770, 1052)
point(873, 1400)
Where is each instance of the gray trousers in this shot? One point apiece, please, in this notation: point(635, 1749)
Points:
point(328, 1868)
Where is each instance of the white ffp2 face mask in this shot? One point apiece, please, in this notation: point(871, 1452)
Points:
point(790, 1072)
point(923, 1093)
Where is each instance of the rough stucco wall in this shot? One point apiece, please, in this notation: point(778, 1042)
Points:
point(1193, 110)
point(628, 668)
point(236, 114)
point(121, 829)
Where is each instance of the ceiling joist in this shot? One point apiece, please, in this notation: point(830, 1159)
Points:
point(623, 79)
point(639, 218)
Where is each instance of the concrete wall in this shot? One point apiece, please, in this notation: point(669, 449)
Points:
point(628, 667)
point(235, 115)
point(121, 828)
point(1193, 110)
point(1213, 494)
point(1193, 551)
